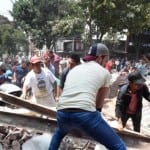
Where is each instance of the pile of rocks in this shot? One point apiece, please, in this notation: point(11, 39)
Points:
point(12, 137)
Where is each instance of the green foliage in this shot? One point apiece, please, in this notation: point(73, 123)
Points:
point(68, 26)
point(132, 15)
point(72, 23)
point(46, 20)
point(11, 39)
point(116, 14)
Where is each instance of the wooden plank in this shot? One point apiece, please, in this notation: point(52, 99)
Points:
point(28, 105)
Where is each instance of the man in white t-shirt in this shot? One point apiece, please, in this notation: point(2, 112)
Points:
point(85, 89)
point(42, 82)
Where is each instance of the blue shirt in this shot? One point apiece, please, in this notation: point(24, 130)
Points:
point(8, 75)
point(20, 73)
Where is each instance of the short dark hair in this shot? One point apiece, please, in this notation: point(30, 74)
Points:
point(75, 57)
point(136, 77)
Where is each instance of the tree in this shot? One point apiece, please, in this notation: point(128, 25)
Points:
point(11, 39)
point(99, 16)
point(46, 20)
point(135, 17)
point(34, 17)
point(103, 15)
point(72, 21)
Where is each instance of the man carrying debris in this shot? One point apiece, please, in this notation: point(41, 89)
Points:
point(85, 89)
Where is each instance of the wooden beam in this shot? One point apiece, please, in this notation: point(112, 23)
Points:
point(28, 105)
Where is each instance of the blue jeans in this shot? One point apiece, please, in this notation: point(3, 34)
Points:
point(91, 123)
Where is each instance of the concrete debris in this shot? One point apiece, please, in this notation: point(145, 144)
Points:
point(13, 138)
point(41, 142)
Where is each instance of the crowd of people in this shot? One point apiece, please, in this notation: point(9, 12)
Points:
point(77, 88)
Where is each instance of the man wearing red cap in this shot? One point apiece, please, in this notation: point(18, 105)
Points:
point(42, 82)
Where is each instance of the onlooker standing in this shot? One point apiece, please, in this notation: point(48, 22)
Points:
point(2, 73)
point(14, 64)
point(117, 64)
point(47, 63)
point(73, 60)
point(129, 101)
point(54, 60)
point(6, 74)
point(20, 72)
point(85, 89)
point(42, 82)
point(142, 67)
point(62, 65)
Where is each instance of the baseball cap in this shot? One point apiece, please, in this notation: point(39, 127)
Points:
point(96, 50)
point(35, 59)
point(136, 77)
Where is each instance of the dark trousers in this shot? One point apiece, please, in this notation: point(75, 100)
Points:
point(136, 120)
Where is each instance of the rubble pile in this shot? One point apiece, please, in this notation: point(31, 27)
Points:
point(12, 137)
point(71, 143)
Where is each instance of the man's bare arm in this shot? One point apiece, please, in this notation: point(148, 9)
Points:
point(101, 95)
point(24, 91)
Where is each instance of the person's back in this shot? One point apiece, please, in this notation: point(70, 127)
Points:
point(85, 89)
point(92, 76)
